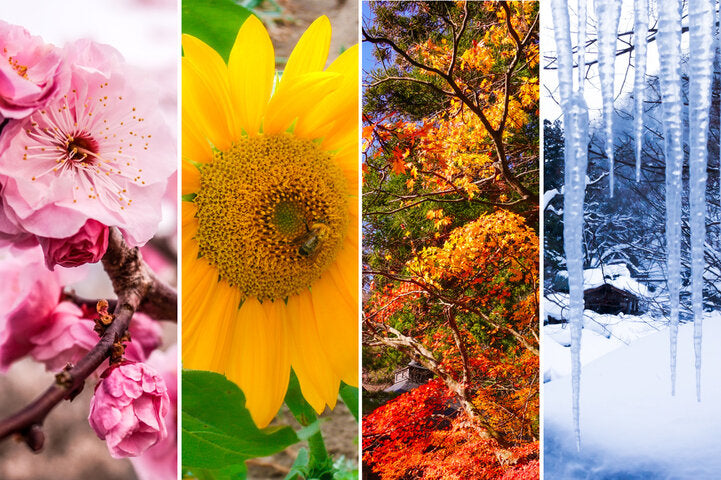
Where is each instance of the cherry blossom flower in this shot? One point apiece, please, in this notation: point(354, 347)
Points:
point(66, 337)
point(128, 409)
point(68, 334)
point(145, 337)
point(31, 72)
point(29, 294)
point(100, 151)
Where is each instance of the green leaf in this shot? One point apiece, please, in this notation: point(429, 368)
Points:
point(299, 469)
point(302, 411)
point(188, 197)
point(233, 472)
point(216, 22)
point(218, 431)
point(343, 469)
point(350, 398)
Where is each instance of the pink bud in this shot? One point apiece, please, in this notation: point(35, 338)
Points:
point(88, 245)
point(160, 461)
point(128, 409)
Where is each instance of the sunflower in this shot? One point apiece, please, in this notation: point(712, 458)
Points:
point(270, 219)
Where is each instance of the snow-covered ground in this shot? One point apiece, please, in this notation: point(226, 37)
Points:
point(631, 426)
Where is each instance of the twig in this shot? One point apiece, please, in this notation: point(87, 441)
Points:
point(134, 284)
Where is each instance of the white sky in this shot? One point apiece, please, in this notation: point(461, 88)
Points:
point(623, 84)
point(147, 36)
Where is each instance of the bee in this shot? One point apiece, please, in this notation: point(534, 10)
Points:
point(311, 240)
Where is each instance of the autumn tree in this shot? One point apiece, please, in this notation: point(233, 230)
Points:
point(450, 248)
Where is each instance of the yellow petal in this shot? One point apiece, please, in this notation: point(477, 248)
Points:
point(195, 145)
point(201, 103)
point(208, 330)
point(211, 67)
point(340, 108)
point(251, 68)
point(341, 137)
point(336, 311)
point(191, 178)
point(347, 160)
point(259, 361)
point(319, 383)
point(295, 100)
point(310, 53)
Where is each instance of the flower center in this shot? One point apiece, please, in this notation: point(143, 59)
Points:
point(272, 214)
point(81, 148)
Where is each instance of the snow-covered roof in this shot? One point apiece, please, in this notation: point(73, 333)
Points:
point(617, 275)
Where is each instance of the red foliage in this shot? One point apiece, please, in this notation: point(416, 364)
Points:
point(423, 435)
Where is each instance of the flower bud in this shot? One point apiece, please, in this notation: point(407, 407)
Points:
point(128, 409)
point(88, 245)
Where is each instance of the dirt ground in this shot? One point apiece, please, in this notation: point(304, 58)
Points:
point(299, 14)
point(340, 432)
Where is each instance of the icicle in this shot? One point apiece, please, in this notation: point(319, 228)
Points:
point(669, 42)
point(718, 44)
point(608, 13)
point(701, 53)
point(575, 121)
point(581, 44)
point(640, 32)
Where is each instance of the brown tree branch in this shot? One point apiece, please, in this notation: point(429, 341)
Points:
point(420, 353)
point(435, 293)
point(134, 284)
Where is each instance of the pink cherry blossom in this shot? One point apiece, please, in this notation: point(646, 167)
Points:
point(31, 72)
point(100, 151)
point(66, 338)
point(68, 334)
point(88, 245)
point(160, 461)
point(145, 336)
point(29, 293)
point(128, 409)
point(11, 234)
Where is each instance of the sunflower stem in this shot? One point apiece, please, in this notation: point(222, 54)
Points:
point(320, 462)
point(320, 465)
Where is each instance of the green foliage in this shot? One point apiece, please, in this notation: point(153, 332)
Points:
point(216, 22)
point(218, 431)
point(350, 398)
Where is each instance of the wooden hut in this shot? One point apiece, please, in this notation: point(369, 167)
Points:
point(611, 300)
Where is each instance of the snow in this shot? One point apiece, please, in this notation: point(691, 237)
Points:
point(616, 274)
point(549, 195)
point(602, 334)
point(632, 427)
